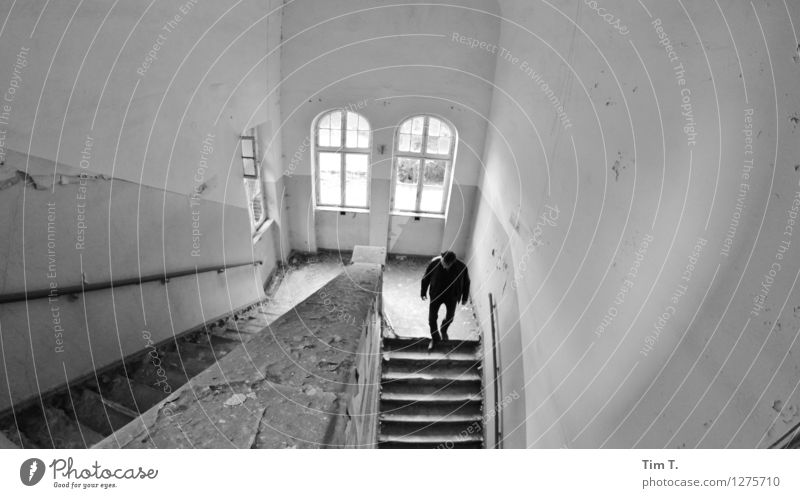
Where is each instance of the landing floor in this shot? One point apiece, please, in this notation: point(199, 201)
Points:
point(406, 312)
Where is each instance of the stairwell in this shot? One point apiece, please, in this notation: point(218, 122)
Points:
point(431, 398)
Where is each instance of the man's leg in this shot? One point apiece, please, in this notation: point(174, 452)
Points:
point(433, 317)
point(450, 308)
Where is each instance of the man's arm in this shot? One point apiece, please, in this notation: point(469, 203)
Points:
point(464, 286)
point(426, 279)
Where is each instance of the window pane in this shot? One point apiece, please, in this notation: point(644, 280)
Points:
point(247, 148)
point(406, 127)
point(405, 142)
point(336, 138)
point(336, 120)
point(433, 186)
point(256, 200)
point(325, 121)
point(363, 139)
point(329, 130)
point(416, 125)
point(324, 138)
point(330, 183)
point(433, 127)
point(434, 172)
point(351, 139)
point(444, 145)
point(352, 121)
point(405, 196)
point(407, 170)
point(432, 196)
point(444, 131)
point(433, 145)
point(249, 167)
point(362, 124)
point(356, 181)
point(258, 209)
point(416, 143)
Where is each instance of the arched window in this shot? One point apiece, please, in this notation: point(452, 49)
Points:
point(423, 165)
point(342, 160)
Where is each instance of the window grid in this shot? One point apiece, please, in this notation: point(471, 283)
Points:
point(423, 157)
point(252, 181)
point(249, 162)
point(361, 134)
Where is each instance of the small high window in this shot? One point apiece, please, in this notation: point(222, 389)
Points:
point(423, 164)
point(252, 181)
point(342, 160)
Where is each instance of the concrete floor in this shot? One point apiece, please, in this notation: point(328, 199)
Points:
point(405, 311)
point(304, 274)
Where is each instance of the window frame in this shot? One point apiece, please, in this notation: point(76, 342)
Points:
point(422, 156)
point(343, 151)
point(255, 177)
point(252, 138)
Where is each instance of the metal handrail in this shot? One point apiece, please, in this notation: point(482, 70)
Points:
point(498, 415)
point(794, 432)
point(80, 289)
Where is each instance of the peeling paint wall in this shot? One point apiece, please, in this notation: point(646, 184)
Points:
point(121, 158)
point(639, 324)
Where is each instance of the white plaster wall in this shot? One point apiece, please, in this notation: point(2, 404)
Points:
point(48, 341)
point(708, 380)
point(147, 130)
point(209, 77)
point(388, 62)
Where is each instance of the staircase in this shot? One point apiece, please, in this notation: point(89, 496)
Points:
point(430, 398)
point(84, 414)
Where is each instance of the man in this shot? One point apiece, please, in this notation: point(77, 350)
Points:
point(448, 281)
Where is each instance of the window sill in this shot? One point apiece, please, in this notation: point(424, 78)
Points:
point(262, 229)
point(342, 209)
point(411, 214)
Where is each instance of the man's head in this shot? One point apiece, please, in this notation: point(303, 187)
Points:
point(448, 258)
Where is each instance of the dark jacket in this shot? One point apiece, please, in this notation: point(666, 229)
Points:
point(446, 285)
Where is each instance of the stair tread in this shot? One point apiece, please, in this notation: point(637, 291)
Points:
point(430, 438)
point(431, 356)
point(444, 375)
point(429, 418)
point(422, 344)
point(431, 398)
point(426, 340)
point(402, 445)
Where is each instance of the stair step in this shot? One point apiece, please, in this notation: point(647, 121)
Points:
point(471, 408)
point(444, 374)
point(429, 356)
point(431, 386)
point(401, 445)
point(187, 364)
point(435, 398)
point(221, 345)
point(428, 418)
point(65, 432)
point(417, 345)
point(6, 443)
point(450, 433)
point(445, 368)
point(159, 373)
point(200, 350)
point(132, 394)
point(102, 416)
